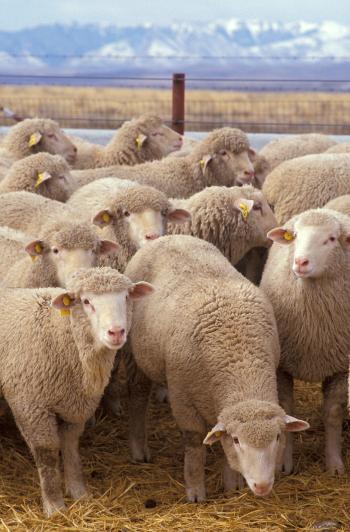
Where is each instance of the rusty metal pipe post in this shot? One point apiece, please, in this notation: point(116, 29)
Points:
point(178, 117)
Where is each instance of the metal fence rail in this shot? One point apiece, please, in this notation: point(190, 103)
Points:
point(195, 110)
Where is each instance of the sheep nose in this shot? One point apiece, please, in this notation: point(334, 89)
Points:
point(262, 488)
point(116, 335)
point(249, 173)
point(301, 262)
point(151, 236)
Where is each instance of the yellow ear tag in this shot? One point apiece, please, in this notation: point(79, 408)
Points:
point(244, 210)
point(138, 143)
point(33, 257)
point(65, 312)
point(33, 140)
point(218, 434)
point(106, 218)
point(288, 236)
point(66, 301)
point(39, 180)
point(38, 248)
point(202, 162)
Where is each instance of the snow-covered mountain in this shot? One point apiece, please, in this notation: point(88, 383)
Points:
point(211, 47)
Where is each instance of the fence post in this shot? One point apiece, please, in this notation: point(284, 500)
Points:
point(178, 117)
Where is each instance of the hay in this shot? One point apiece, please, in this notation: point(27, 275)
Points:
point(120, 489)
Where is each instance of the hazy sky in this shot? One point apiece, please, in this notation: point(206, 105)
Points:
point(16, 14)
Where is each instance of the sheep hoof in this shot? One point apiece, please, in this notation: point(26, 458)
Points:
point(51, 507)
point(335, 467)
point(77, 491)
point(140, 455)
point(113, 406)
point(196, 494)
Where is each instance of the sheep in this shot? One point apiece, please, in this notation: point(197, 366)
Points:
point(42, 173)
point(203, 326)
point(284, 149)
point(341, 147)
point(261, 168)
point(35, 135)
point(139, 140)
point(306, 183)
point(234, 219)
point(220, 159)
point(62, 248)
point(308, 283)
point(133, 215)
point(54, 367)
point(29, 212)
point(340, 204)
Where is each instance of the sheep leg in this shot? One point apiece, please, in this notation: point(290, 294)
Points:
point(335, 400)
point(233, 480)
point(194, 466)
point(73, 474)
point(111, 398)
point(139, 388)
point(285, 394)
point(43, 440)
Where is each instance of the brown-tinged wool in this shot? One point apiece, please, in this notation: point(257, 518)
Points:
point(261, 170)
point(104, 282)
point(24, 173)
point(311, 313)
point(92, 197)
point(42, 272)
point(284, 149)
point(134, 198)
point(216, 219)
point(340, 204)
point(307, 183)
point(122, 148)
point(52, 375)
point(12, 245)
point(184, 176)
point(210, 323)
point(16, 141)
point(341, 147)
point(29, 212)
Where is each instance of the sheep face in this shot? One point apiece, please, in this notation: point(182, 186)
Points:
point(164, 140)
point(63, 261)
point(51, 139)
point(228, 168)
point(109, 313)
point(244, 169)
point(255, 447)
point(319, 242)
point(263, 220)
point(53, 181)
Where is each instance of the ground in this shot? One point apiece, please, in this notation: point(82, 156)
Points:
point(120, 489)
point(259, 112)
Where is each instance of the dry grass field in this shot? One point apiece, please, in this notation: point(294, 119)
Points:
point(304, 501)
point(284, 112)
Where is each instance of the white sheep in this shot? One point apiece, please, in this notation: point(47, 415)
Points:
point(55, 367)
point(211, 336)
point(307, 280)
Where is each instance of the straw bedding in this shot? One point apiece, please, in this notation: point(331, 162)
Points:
point(120, 489)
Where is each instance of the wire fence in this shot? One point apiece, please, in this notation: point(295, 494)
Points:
point(260, 111)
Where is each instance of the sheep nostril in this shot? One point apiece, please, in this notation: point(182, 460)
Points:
point(151, 236)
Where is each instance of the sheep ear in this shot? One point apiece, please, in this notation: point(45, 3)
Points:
point(295, 425)
point(43, 176)
point(34, 139)
point(140, 289)
point(140, 140)
point(251, 154)
point(64, 302)
point(244, 205)
point(35, 248)
point(107, 247)
point(103, 218)
point(281, 235)
point(178, 216)
point(204, 162)
point(215, 434)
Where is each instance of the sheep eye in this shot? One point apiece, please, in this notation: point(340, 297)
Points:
point(63, 177)
point(257, 207)
point(51, 135)
point(332, 238)
point(236, 440)
point(55, 250)
point(86, 302)
point(126, 213)
point(223, 152)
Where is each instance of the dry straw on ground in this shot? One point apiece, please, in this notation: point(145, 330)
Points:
point(120, 489)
